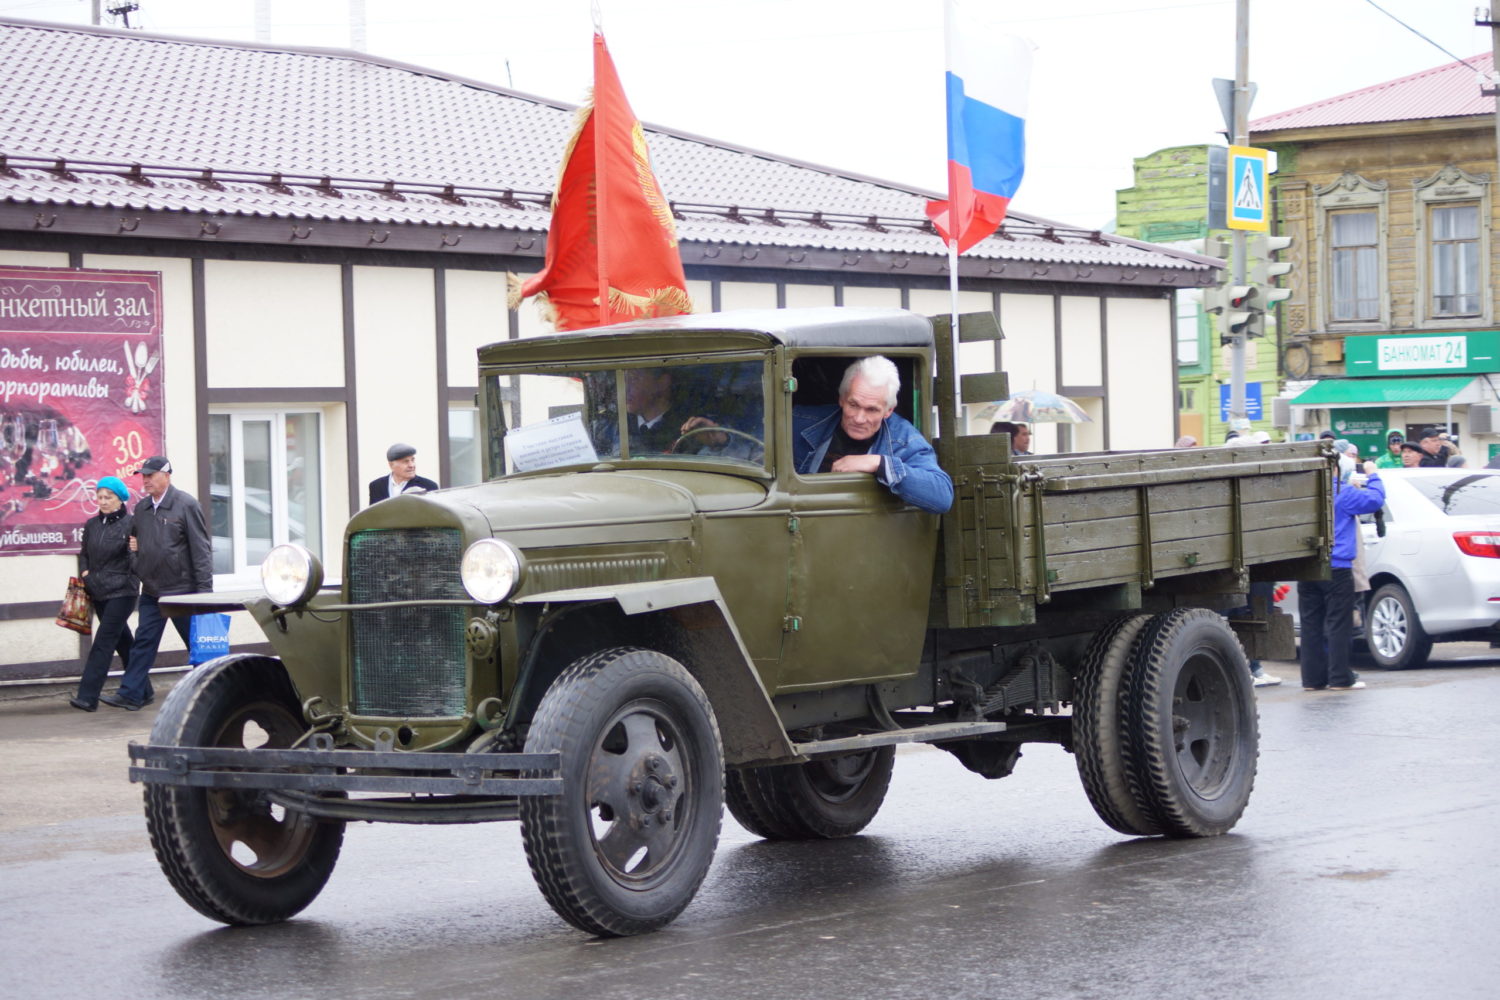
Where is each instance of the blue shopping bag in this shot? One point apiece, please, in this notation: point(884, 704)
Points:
point(208, 637)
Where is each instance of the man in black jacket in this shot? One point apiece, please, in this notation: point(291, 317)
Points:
point(173, 556)
point(1435, 452)
point(402, 458)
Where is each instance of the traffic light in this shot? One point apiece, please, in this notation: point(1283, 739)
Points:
point(1264, 272)
point(1241, 310)
point(1215, 298)
point(1210, 246)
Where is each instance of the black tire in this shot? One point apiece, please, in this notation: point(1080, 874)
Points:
point(1189, 724)
point(625, 846)
point(1394, 636)
point(1097, 743)
point(229, 854)
point(825, 798)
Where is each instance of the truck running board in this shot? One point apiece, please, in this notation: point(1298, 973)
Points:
point(917, 734)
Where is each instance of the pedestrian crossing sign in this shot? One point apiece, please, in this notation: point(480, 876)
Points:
point(1249, 199)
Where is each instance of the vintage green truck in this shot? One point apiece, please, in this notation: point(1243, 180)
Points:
point(609, 641)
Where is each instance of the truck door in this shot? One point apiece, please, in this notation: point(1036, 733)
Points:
point(860, 573)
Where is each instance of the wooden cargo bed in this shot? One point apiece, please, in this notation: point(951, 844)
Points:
point(1021, 531)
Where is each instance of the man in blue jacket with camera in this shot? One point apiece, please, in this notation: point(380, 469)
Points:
point(1327, 606)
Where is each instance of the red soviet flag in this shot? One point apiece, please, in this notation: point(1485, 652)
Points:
point(612, 245)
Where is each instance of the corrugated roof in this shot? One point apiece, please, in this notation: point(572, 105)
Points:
point(1447, 91)
point(246, 130)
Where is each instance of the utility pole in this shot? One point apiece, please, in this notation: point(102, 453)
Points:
point(1237, 414)
point(123, 11)
point(1485, 19)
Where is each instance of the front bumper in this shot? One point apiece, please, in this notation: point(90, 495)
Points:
point(427, 787)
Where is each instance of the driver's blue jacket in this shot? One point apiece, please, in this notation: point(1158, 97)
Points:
point(908, 466)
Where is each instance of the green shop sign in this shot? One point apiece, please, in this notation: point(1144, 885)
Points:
point(1423, 354)
point(1363, 426)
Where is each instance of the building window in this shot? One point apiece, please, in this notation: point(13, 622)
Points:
point(1351, 253)
point(265, 486)
point(463, 447)
point(1190, 316)
point(1455, 260)
point(1451, 213)
point(1354, 241)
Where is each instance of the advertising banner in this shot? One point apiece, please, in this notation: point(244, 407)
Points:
point(80, 397)
point(1363, 426)
point(1422, 354)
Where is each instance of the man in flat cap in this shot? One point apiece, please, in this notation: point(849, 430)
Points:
point(402, 459)
point(173, 555)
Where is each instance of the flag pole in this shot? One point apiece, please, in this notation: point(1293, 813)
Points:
point(960, 418)
point(601, 201)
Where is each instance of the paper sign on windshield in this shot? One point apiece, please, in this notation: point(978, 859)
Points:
point(559, 441)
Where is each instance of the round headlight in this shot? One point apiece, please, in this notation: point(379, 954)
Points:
point(290, 575)
point(491, 570)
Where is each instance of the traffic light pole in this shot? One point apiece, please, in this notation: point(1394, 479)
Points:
point(1237, 409)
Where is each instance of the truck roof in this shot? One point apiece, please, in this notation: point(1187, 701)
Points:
point(831, 326)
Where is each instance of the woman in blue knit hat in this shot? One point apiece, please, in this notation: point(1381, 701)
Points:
point(107, 568)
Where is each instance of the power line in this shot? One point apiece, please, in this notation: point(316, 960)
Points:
point(1424, 38)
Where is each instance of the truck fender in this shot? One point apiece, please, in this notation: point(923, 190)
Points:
point(700, 631)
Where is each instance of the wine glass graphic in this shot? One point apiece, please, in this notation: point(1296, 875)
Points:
point(12, 445)
point(13, 436)
point(48, 445)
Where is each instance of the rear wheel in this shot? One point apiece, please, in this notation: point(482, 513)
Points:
point(624, 847)
point(826, 798)
point(230, 854)
point(1189, 724)
point(1393, 633)
point(1097, 743)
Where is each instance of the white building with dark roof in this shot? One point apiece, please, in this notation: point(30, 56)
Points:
point(331, 233)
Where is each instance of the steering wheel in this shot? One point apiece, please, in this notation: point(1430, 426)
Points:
point(710, 429)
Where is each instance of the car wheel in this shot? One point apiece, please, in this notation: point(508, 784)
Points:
point(624, 847)
point(230, 854)
point(1393, 632)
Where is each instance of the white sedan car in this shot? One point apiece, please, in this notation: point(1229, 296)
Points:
point(1433, 557)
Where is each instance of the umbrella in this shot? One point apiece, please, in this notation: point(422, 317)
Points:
point(1030, 406)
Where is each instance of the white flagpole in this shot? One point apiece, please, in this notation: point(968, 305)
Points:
point(960, 418)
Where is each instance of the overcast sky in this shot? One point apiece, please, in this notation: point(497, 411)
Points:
point(857, 84)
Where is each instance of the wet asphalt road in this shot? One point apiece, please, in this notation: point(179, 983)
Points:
point(1366, 866)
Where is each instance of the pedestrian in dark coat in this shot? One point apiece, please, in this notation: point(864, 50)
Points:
point(402, 458)
point(107, 568)
point(174, 555)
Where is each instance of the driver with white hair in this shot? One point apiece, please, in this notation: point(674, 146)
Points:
point(863, 433)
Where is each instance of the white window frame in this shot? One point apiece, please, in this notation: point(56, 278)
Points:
point(1352, 192)
point(243, 573)
point(1451, 186)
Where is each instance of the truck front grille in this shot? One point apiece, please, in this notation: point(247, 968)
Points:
point(407, 661)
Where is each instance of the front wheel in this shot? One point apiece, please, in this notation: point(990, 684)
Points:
point(825, 798)
point(230, 854)
point(624, 847)
point(1189, 724)
point(1393, 632)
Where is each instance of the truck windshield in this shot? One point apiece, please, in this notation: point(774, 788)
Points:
point(542, 420)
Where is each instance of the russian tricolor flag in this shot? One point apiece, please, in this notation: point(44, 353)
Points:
point(988, 80)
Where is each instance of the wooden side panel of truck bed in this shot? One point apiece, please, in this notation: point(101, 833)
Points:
point(1022, 531)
